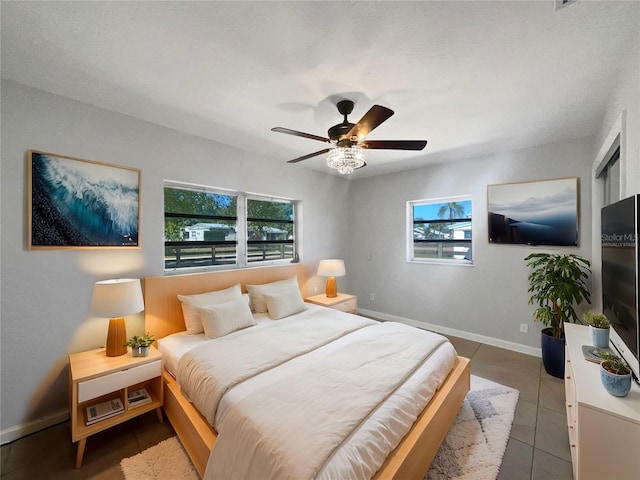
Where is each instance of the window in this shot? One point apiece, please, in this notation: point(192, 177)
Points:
point(439, 230)
point(269, 230)
point(210, 228)
point(611, 175)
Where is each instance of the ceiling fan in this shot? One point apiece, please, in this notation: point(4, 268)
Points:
point(348, 139)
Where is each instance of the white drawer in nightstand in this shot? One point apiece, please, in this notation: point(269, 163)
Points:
point(346, 306)
point(343, 302)
point(114, 381)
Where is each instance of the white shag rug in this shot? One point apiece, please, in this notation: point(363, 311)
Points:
point(164, 461)
point(472, 450)
point(474, 447)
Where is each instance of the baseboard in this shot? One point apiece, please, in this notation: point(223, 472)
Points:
point(496, 342)
point(18, 431)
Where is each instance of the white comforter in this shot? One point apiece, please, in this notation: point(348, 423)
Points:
point(321, 414)
point(206, 373)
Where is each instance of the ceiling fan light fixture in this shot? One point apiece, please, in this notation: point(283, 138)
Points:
point(346, 139)
point(345, 159)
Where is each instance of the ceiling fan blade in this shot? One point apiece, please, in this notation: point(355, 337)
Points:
point(372, 119)
point(299, 159)
point(393, 144)
point(299, 134)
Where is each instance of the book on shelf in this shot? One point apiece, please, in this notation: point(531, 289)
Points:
point(104, 410)
point(138, 397)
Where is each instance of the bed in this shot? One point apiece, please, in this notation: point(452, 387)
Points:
point(164, 318)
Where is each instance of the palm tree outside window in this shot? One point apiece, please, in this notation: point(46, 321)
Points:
point(440, 230)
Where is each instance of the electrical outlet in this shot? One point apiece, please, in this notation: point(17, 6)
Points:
point(372, 296)
point(524, 328)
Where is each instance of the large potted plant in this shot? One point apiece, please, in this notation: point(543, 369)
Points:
point(557, 282)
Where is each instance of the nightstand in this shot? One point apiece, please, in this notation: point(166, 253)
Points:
point(343, 302)
point(96, 378)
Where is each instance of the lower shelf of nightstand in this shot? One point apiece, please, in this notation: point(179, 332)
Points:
point(82, 430)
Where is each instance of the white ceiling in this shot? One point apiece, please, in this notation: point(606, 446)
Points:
point(471, 77)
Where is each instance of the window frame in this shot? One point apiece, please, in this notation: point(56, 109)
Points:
point(610, 173)
point(410, 222)
point(241, 242)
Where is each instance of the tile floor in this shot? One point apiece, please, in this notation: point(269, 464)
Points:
point(538, 448)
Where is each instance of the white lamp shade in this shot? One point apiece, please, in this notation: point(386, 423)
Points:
point(331, 268)
point(117, 298)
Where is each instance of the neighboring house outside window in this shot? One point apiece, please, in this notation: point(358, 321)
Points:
point(440, 230)
point(211, 228)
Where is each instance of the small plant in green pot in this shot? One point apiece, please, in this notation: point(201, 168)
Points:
point(615, 375)
point(598, 327)
point(145, 342)
point(557, 282)
point(135, 343)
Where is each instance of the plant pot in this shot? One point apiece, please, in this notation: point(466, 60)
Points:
point(135, 351)
point(599, 336)
point(616, 385)
point(552, 353)
point(144, 351)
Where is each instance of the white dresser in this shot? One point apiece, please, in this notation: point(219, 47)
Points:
point(604, 431)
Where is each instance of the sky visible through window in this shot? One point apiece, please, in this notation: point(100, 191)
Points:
point(430, 211)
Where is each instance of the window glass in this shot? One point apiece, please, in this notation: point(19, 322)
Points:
point(440, 230)
point(212, 229)
point(611, 175)
point(269, 230)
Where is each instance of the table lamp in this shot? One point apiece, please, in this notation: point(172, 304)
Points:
point(331, 269)
point(114, 299)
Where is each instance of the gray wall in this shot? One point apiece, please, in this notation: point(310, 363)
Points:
point(622, 120)
point(486, 301)
point(46, 294)
point(626, 98)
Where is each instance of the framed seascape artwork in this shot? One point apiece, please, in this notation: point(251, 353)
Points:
point(75, 203)
point(534, 213)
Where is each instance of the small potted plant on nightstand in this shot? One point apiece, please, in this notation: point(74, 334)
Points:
point(615, 375)
point(598, 327)
point(145, 342)
point(135, 343)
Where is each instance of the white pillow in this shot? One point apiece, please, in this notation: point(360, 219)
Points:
point(256, 292)
point(224, 318)
point(191, 302)
point(283, 304)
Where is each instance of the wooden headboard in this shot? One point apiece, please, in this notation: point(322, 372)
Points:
point(163, 310)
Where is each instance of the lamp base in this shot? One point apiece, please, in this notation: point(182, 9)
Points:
point(332, 289)
point(116, 337)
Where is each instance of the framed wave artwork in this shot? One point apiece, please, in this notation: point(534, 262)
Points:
point(534, 213)
point(75, 203)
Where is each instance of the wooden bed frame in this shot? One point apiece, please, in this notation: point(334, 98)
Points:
point(163, 316)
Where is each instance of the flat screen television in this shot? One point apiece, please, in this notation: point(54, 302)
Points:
point(620, 266)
